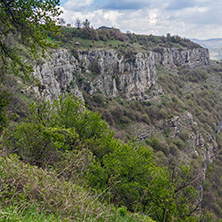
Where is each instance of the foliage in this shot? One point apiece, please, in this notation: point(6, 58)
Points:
point(51, 129)
point(212, 186)
point(127, 44)
point(134, 180)
point(16, 213)
point(78, 145)
point(31, 194)
point(26, 21)
point(197, 90)
point(4, 101)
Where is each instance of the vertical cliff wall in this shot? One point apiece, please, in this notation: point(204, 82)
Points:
point(108, 72)
point(132, 77)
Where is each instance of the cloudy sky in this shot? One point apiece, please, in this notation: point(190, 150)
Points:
point(187, 18)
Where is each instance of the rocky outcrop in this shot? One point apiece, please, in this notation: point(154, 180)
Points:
point(56, 75)
point(109, 73)
point(172, 58)
point(191, 142)
point(119, 76)
point(183, 127)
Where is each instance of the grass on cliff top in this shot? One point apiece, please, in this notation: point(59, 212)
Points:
point(87, 38)
point(28, 193)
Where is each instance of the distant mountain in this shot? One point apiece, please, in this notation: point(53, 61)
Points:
point(209, 43)
point(214, 46)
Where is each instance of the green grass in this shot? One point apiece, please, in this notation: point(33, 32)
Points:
point(31, 194)
point(85, 39)
point(32, 214)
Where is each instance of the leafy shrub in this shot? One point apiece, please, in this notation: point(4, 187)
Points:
point(122, 211)
point(184, 135)
point(51, 129)
point(179, 143)
point(4, 101)
point(99, 99)
point(85, 149)
point(31, 194)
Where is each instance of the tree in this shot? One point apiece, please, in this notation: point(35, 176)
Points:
point(86, 23)
point(62, 21)
point(4, 101)
point(50, 129)
point(78, 23)
point(28, 22)
point(168, 37)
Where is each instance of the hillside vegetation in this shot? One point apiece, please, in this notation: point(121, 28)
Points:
point(78, 146)
point(86, 38)
point(69, 161)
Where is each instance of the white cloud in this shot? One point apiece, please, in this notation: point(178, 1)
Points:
point(191, 19)
point(77, 5)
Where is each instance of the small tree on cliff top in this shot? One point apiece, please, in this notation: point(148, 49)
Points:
point(78, 23)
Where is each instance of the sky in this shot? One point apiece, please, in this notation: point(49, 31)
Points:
point(199, 19)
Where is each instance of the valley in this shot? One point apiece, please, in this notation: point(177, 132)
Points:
point(125, 121)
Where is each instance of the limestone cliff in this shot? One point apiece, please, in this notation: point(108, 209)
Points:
point(198, 143)
point(132, 77)
point(56, 75)
point(110, 73)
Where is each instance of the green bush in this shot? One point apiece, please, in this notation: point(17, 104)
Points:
point(17, 213)
point(184, 135)
point(52, 129)
point(77, 144)
point(4, 101)
point(28, 193)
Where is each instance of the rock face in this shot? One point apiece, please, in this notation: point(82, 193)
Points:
point(119, 76)
point(56, 75)
point(192, 143)
point(172, 58)
point(109, 73)
point(183, 127)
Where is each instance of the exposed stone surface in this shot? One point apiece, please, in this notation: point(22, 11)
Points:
point(191, 58)
point(135, 78)
point(56, 75)
point(198, 143)
point(109, 73)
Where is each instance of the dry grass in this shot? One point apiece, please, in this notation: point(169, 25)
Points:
point(27, 186)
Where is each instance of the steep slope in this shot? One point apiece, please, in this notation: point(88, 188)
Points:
point(142, 77)
point(31, 194)
point(166, 99)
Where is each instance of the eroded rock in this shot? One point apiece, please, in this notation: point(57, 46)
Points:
point(109, 73)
